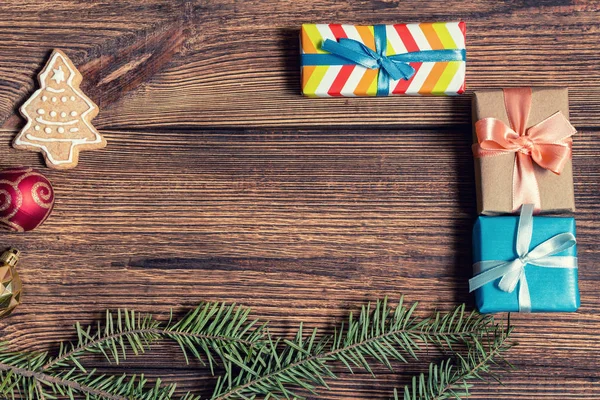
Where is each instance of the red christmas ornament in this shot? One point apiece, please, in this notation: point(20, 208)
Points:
point(26, 199)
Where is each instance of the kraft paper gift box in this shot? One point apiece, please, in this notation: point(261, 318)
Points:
point(383, 60)
point(550, 287)
point(496, 170)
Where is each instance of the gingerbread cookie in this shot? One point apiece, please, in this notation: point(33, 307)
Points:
point(58, 116)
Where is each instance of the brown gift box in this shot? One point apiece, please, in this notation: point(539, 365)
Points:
point(494, 175)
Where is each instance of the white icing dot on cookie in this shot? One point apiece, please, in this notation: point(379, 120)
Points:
point(47, 130)
point(37, 127)
point(53, 113)
point(41, 111)
point(72, 98)
point(44, 98)
point(73, 113)
point(54, 99)
point(63, 99)
point(61, 129)
point(63, 114)
point(74, 130)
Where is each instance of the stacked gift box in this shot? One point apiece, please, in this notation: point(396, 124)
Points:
point(383, 60)
point(523, 261)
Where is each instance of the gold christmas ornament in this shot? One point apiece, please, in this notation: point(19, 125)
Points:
point(11, 286)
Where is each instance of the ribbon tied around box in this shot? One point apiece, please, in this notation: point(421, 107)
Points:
point(547, 143)
point(512, 272)
point(346, 51)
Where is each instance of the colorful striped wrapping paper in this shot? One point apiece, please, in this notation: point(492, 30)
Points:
point(430, 78)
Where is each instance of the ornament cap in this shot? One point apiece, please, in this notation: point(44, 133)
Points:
point(10, 257)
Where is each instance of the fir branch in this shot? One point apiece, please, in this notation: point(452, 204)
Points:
point(255, 363)
point(20, 374)
point(380, 333)
point(448, 380)
point(208, 332)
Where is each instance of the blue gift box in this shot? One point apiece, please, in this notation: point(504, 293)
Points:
point(551, 289)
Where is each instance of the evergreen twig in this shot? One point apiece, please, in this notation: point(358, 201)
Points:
point(380, 333)
point(209, 333)
point(257, 364)
point(450, 381)
point(20, 374)
point(210, 330)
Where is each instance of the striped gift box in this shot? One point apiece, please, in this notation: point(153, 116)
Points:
point(347, 78)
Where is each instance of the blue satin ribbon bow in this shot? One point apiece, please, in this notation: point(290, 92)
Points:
point(350, 51)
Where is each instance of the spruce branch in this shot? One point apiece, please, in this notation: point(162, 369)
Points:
point(380, 333)
point(451, 381)
point(257, 364)
point(20, 374)
point(208, 332)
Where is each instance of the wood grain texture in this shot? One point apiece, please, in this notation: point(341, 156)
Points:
point(238, 65)
point(221, 183)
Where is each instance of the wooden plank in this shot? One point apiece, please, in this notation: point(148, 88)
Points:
point(299, 225)
point(229, 65)
point(117, 45)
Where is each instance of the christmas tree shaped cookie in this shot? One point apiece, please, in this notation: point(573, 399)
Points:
point(58, 116)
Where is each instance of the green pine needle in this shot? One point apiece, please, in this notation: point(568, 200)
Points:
point(208, 332)
point(255, 364)
point(452, 378)
point(380, 334)
point(21, 376)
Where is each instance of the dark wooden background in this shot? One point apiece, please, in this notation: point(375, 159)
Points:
point(220, 182)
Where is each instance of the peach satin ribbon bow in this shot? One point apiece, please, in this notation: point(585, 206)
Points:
point(547, 143)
